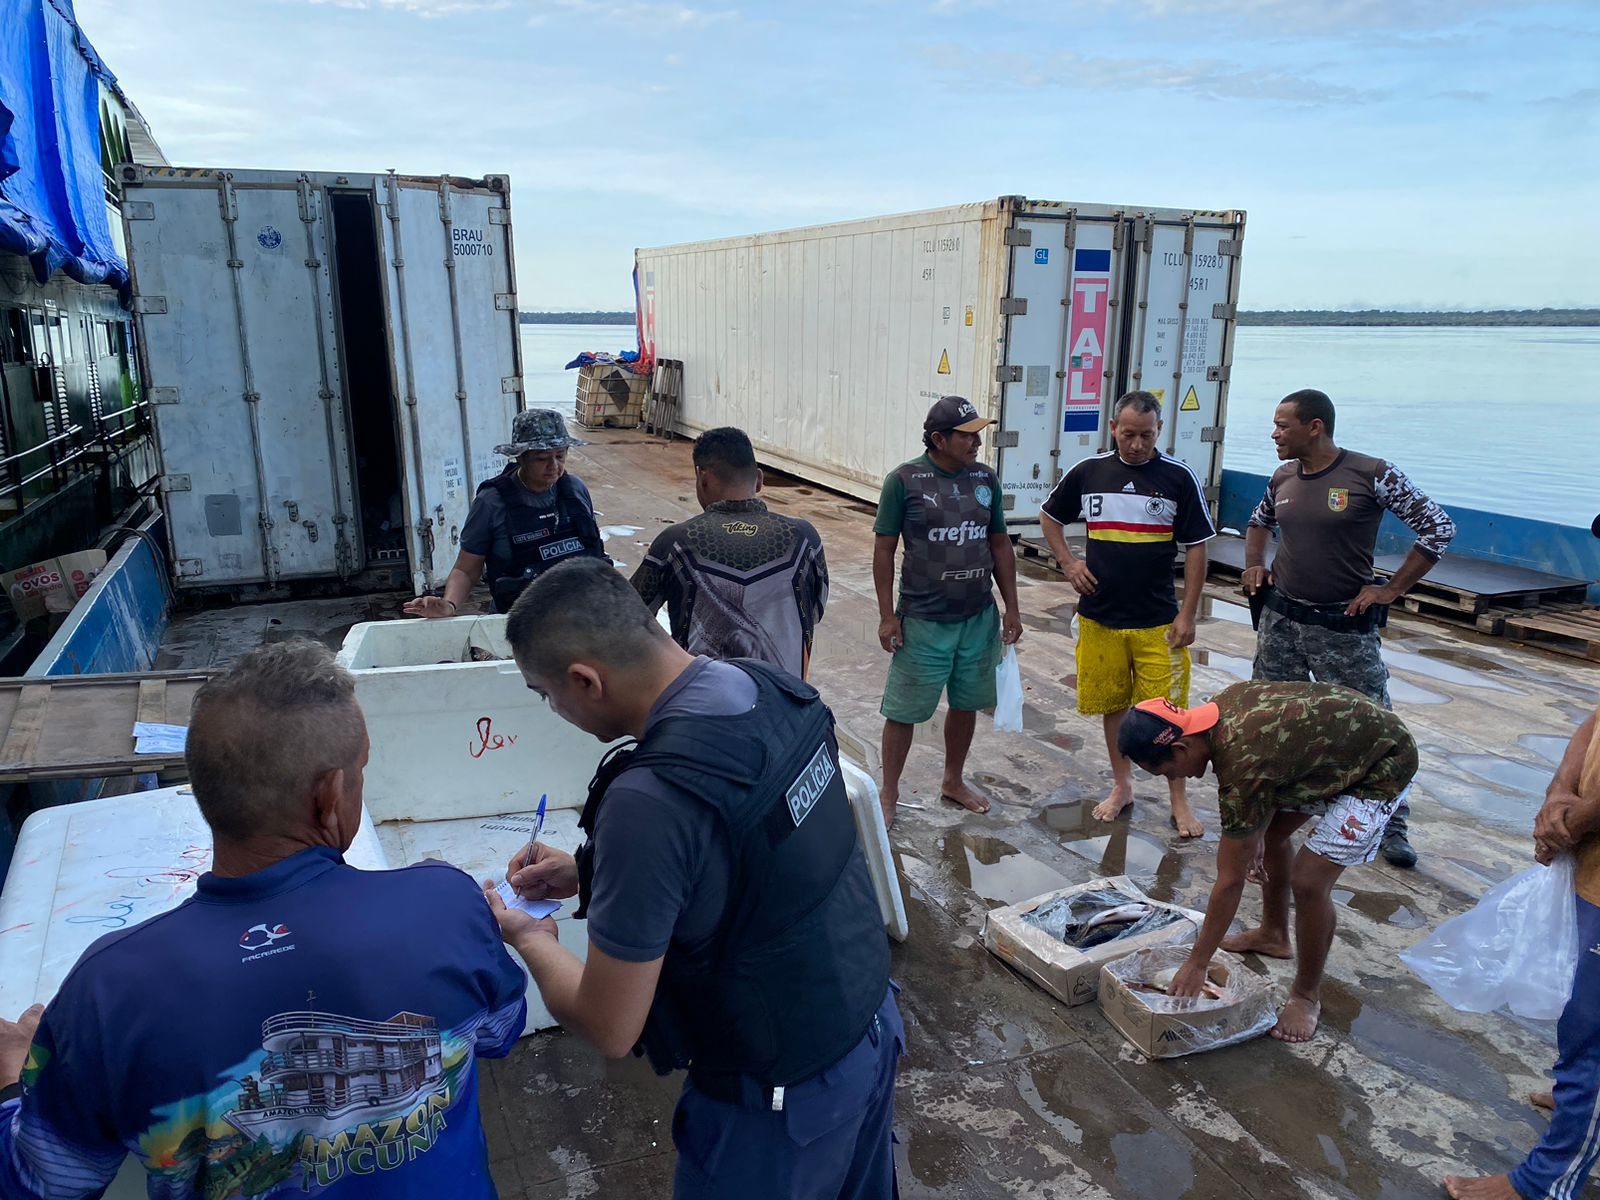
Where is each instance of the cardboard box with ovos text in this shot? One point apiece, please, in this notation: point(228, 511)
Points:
point(54, 585)
point(1070, 975)
point(1161, 1026)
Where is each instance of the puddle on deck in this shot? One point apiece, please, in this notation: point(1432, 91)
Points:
point(1160, 866)
point(1223, 610)
point(1387, 908)
point(996, 870)
point(1434, 663)
point(1500, 791)
point(1546, 746)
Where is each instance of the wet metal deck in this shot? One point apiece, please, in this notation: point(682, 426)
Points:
point(1004, 1092)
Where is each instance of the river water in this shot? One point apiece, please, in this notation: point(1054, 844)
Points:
point(1505, 420)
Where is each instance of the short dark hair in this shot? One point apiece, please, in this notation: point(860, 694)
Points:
point(1144, 402)
point(1312, 405)
point(727, 453)
point(581, 609)
point(265, 730)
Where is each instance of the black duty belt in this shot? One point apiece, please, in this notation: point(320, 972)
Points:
point(1323, 616)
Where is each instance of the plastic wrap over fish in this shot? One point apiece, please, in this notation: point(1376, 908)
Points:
point(1086, 919)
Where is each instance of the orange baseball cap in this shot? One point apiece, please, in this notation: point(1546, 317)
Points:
point(1151, 724)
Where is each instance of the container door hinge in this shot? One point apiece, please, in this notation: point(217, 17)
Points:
point(1211, 493)
point(1014, 306)
point(175, 483)
point(1019, 237)
point(1004, 374)
point(150, 305)
point(163, 395)
point(1142, 227)
point(510, 384)
point(1230, 247)
point(138, 210)
point(1006, 439)
point(1222, 312)
point(1211, 433)
point(505, 302)
point(1008, 502)
point(1217, 374)
point(191, 568)
point(499, 216)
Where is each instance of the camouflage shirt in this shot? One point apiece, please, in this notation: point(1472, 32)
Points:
point(1286, 745)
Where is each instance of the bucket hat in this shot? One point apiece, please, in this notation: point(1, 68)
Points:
point(538, 429)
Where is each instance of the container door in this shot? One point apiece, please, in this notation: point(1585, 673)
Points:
point(1182, 352)
point(452, 309)
point(1060, 331)
point(234, 308)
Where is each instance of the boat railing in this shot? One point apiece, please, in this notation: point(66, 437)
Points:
point(314, 1022)
point(70, 453)
point(339, 1058)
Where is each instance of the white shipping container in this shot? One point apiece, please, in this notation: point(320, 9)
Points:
point(330, 360)
point(828, 344)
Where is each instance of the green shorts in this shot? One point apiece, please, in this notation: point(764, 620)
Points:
point(958, 655)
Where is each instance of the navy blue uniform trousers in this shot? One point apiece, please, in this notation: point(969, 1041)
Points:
point(1560, 1164)
point(832, 1140)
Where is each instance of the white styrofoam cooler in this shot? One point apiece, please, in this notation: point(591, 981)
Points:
point(83, 870)
point(476, 743)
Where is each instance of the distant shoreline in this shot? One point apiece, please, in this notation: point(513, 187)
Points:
point(1571, 318)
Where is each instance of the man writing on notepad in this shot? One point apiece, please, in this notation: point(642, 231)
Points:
point(733, 928)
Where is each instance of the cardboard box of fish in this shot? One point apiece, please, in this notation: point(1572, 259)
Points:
point(1062, 939)
point(1236, 1004)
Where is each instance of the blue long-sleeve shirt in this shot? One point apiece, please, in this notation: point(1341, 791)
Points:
point(304, 1026)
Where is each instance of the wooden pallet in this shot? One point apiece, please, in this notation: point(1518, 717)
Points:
point(81, 726)
point(1573, 632)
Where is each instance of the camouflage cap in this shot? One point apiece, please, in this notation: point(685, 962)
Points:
point(538, 429)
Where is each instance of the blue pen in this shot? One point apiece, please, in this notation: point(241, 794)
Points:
point(538, 828)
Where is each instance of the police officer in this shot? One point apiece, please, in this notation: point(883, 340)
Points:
point(526, 519)
point(733, 929)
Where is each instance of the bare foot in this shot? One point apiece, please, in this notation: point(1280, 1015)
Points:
point(1481, 1187)
point(1544, 1100)
point(1111, 807)
point(962, 793)
point(1298, 1020)
point(1259, 941)
point(1184, 821)
point(887, 802)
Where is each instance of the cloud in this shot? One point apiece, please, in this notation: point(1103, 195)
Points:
point(1582, 99)
point(1208, 78)
point(1324, 16)
point(538, 12)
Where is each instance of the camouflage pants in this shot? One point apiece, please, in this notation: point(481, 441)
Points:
point(1291, 650)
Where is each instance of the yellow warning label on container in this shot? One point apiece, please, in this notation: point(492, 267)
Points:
point(1160, 394)
point(944, 366)
point(969, 316)
point(1191, 401)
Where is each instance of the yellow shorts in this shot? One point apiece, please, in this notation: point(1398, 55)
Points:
point(1117, 668)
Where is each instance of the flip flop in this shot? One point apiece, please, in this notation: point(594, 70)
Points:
point(987, 804)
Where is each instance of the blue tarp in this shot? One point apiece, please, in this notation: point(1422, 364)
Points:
point(52, 189)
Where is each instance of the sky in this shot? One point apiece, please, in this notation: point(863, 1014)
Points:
point(1390, 153)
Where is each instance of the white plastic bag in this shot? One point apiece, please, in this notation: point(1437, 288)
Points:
point(1008, 693)
point(1517, 949)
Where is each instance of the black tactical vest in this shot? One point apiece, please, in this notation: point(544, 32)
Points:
point(800, 963)
point(540, 538)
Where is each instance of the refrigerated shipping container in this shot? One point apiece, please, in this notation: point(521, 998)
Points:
point(828, 344)
point(330, 362)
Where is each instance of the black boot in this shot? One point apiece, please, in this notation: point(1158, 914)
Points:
point(1396, 846)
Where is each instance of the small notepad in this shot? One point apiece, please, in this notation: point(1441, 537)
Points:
point(534, 908)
